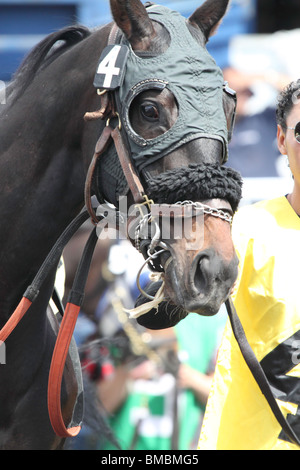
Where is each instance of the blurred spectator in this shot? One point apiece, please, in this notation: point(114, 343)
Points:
point(253, 150)
point(158, 404)
point(256, 67)
point(276, 15)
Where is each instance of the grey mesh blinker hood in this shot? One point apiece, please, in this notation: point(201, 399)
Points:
point(191, 74)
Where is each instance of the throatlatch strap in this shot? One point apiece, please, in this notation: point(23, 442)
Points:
point(257, 371)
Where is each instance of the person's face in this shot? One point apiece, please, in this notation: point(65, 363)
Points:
point(287, 143)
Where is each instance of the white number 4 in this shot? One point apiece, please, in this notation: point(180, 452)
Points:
point(108, 67)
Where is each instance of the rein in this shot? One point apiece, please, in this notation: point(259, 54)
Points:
point(67, 325)
point(257, 371)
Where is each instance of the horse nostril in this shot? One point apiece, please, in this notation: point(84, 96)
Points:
point(211, 274)
point(200, 276)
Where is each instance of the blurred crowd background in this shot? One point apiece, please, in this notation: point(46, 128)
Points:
point(153, 386)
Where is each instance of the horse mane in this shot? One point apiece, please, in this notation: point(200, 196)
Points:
point(42, 55)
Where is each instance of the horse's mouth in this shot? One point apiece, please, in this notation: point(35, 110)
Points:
point(202, 305)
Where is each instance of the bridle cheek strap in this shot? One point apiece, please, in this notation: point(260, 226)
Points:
point(131, 176)
point(100, 148)
point(108, 135)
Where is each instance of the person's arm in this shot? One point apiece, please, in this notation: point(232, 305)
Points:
point(193, 380)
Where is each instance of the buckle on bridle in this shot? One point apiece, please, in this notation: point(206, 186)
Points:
point(148, 202)
point(115, 115)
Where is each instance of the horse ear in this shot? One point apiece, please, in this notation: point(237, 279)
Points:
point(209, 16)
point(132, 18)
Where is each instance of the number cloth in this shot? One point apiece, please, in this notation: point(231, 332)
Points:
point(267, 300)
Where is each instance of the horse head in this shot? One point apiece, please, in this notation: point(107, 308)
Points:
point(176, 116)
point(190, 242)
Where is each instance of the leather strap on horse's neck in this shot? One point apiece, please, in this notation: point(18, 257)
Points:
point(130, 173)
point(112, 38)
point(68, 323)
point(257, 371)
point(48, 265)
point(63, 341)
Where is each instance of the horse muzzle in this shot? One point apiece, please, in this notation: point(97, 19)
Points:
point(207, 284)
point(199, 270)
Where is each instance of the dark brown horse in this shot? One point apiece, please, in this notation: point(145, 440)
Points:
point(45, 152)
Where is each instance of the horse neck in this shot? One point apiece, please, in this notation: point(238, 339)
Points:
point(42, 165)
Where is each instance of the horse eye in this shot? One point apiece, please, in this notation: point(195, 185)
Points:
point(150, 112)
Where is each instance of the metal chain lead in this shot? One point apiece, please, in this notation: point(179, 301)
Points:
point(197, 206)
point(207, 210)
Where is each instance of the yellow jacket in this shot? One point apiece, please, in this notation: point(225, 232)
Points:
point(267, 300)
